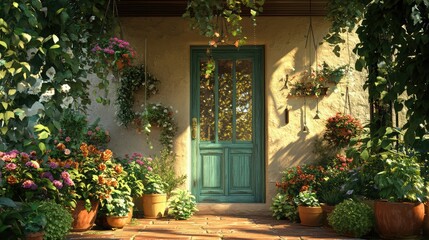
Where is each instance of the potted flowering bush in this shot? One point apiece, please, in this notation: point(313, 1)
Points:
point(341, 128)
point(114, 52)
point(116, 208)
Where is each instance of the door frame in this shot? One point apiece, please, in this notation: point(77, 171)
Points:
point(258, 87)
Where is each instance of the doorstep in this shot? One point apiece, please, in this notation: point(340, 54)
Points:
point(242, 209)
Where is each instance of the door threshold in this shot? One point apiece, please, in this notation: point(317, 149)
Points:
point(234, 209)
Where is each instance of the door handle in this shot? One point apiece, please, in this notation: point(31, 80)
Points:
point(194, 128)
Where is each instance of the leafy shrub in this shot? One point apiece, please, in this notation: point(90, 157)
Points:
point(182, 205)
point(164, 166)
point(300, 178)
point(59, 221)
point(284, 208)
point(350, 217)
point(307, 198)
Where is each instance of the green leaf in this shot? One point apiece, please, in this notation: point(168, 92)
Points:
point(3, 130)
point(43, 135)
point(5, 105)
point(55, 38)
point(365, 155)
point(360, 63)
point(8, 115)
point(42, 147)
point(11, 92)
point(54, 46)
point(4, 44)
point(26, 36)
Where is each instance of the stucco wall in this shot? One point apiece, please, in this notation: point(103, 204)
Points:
point(168, 54)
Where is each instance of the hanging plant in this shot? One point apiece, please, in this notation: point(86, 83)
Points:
point(133, 78)
point(159, 116)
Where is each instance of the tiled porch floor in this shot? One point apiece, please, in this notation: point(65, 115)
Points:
point(211, 227)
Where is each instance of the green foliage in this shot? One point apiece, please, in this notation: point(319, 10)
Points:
point(394, 39)
point(182, 204)
point(96, 135)
point(350, 217)
point(307, 198)
point(10, 220)
point(34, 218)
point(300, 178)
point(164, 166)
point(221, 20)
point(333, 187)
point(133, 79)
point(154, 184)
point(284, 208)
point(401, 179)
point(118, 205)
point(43, 64)
point(59, 220)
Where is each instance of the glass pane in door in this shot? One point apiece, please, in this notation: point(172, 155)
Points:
point(207, 106)
point(243, 106)
point(225, 111)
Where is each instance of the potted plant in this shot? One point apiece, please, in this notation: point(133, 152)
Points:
point(116, 208)
point(154, 197)
point(352, 218)
point(182, 205)
point(400, 213)
point(59, 220)
point(114, 52)
point(341, 128)
point(33, 221)
point(283, 207)
point(310, 212)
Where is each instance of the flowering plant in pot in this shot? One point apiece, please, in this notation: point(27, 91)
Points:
point(114, 52)
point(341, 128)
point(116, 208)
point(154, 197)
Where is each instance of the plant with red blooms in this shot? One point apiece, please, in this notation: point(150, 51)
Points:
point(342, 162)
point(341, 128)
point(300, 178)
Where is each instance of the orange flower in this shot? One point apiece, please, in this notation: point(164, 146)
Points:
point(75, 165)
point(61, 146)
point(93, 150)
point(12, 180)
point(102, 167)
point(106, 155)
point(101, 180)
point(118, 168)
point(84, 149)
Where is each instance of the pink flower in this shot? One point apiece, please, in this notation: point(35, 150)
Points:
point(65, 175)
point(69, 182)
point(53, 165)
point(48, 175)
point(89, 133)
point(29, 184)
point(149, 168)
point(67, 151)
point(139, 162)
point(10, 166)
point(68, 139)
point(58, 184)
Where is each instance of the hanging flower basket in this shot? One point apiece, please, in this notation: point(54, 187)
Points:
point(115, 53)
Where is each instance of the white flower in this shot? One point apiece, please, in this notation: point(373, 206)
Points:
point(165, 111)
point(50, 73)
point(66, 102)
point(36, 88)
point(65, 88)
point(31, 53)
point(47, 96)
point(69, 51)
point(22, 87)
point(92, 18)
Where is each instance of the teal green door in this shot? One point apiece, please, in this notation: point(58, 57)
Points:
point(227, 112)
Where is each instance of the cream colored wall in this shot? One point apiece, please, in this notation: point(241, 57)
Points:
point(169, 41)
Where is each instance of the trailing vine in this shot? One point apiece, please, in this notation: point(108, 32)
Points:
point(133, 79)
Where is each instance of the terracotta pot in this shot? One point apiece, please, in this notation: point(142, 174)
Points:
point(426, 220)
point(116, 222)
point(34, 236)
point(310, 216)
point(327, 209)
point(154, 205)
point(396, 220)
point(83, 220)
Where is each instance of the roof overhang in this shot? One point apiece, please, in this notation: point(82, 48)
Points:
point(175, 8)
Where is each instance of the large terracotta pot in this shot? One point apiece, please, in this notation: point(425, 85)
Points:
point(426, 220)
point(396, 220)
point(116, 222)
point(83, 220)
point(310, 216)
point(154, 205)
point(35, 236)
